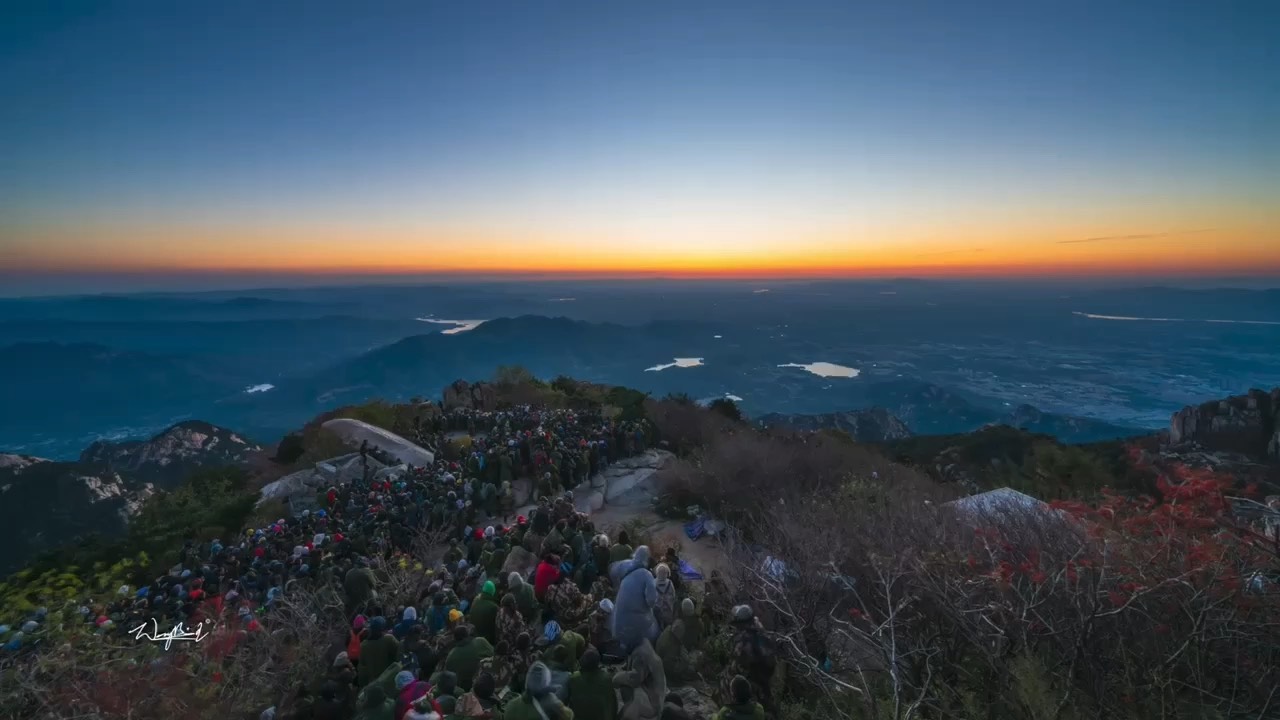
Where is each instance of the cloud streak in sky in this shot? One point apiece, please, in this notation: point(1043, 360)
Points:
point(1144, 236)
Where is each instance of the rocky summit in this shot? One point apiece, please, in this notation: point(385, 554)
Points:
point(1248, 424)
point(172, 454)
point(46, 504)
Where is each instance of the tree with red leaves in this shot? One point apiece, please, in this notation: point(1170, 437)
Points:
point(1129, 607)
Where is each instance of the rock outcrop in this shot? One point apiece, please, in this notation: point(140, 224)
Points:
point(619, 479)
point(1067, 428)
point(17, 462)
point(50, 503)
point(1247, 424)
point(462, 394)
point(872, 425)
point(169, 457)
point(402, 451)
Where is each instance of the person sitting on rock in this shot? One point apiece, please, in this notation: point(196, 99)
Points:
point(740, 707)
point(601, 629)
point(643, 684)
point(483, 613)
point(464, 659)
point(679, 644)
point(567, 603)
point(622, 549)
point(482, 701)
point(591, 693)
point(510, 622)
point(548, 573)
point(526, 599)
point(673, 708)
point(565, 645)
point(665, 609)
point(538, 701)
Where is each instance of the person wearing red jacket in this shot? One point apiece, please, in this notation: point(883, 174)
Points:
point(547, 574)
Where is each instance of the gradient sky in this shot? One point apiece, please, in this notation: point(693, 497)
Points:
point(934, 138)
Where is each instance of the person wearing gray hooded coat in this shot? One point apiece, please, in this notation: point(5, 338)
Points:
point(643, 685)
point(633, 617)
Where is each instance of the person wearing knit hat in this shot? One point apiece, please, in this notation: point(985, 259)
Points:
point(687, 609)
point(526, 600)
point(740, 703)
point(483, 612)
point(510, 622)
point(538, 699)
point(403, 679)
point(407, 621)
point(754, 655)
point(680, 645)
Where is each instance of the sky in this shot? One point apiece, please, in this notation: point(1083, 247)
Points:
point(147, 139)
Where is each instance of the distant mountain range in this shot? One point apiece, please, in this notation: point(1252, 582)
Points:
point(45, 503)
point(63, 392)
point(936, 408)
point(942, 357)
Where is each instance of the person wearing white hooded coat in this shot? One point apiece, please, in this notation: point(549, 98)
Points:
point(633, 612)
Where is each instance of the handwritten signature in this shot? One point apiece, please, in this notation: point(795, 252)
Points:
point(179, 633)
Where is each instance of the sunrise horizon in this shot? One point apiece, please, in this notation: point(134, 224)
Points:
point(747, 140)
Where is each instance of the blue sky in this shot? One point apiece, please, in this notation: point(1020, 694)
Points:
point(586, 119)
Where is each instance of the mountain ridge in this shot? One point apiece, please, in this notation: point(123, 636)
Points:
point(99, 491)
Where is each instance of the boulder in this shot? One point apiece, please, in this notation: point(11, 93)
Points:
point(395, 472)
point(289, 485)
point(698, 702)
point(625, 475)
point(519, 560)
point(588, 501)
point(356, 432)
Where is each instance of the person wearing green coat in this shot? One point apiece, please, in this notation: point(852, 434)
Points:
point(377, 706)
point(525, 598)
point(484, 613)
point(591, 692)
point(621, 550)
point(464, 659)
point(678, 645)
point(742, 707)
point(377, 652)
point(538, 701)
point(358, 584)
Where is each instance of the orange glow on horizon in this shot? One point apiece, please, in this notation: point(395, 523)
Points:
point(1076, 249)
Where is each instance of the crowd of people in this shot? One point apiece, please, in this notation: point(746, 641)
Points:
point(535, 616)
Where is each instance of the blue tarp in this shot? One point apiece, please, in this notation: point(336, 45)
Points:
point(696, 529)
point(688, 572)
